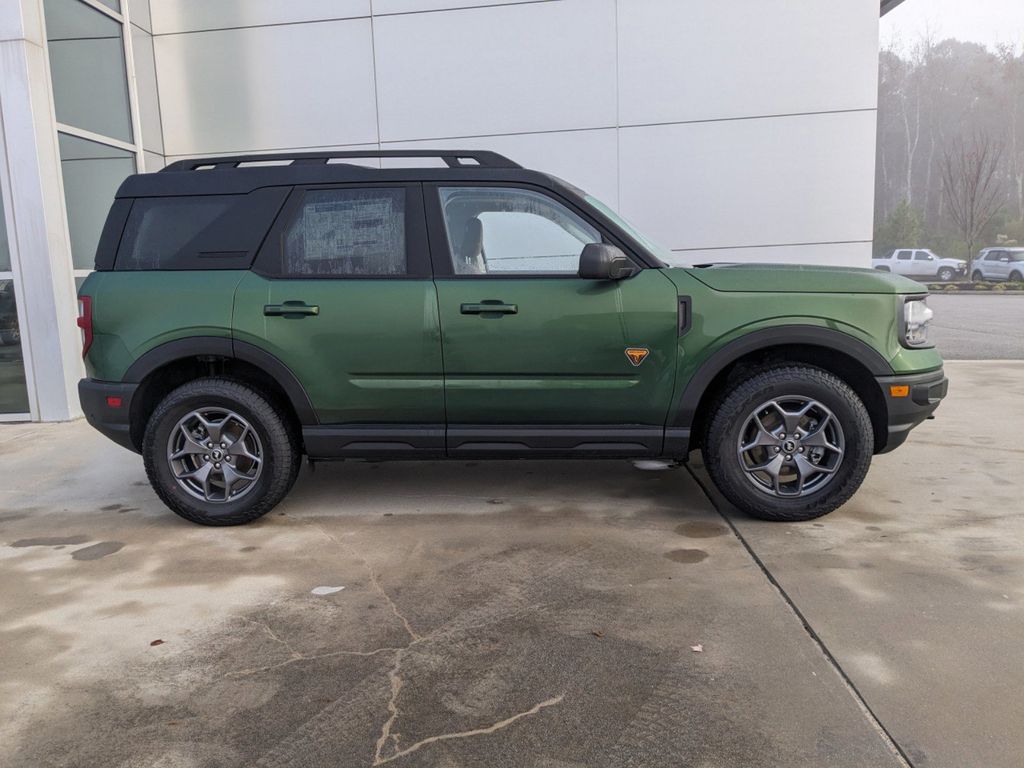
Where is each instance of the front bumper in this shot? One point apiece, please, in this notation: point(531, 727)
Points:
point(924, 392)
point(99, 403)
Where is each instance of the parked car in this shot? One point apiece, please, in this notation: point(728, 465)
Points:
point(922, 263)
point(999, 264)
point(244, 314)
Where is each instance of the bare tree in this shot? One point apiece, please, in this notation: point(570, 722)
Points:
point(970, 186)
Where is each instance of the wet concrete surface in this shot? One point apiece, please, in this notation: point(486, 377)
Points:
point(978, 327)
point(514, 614)
point(916, 586)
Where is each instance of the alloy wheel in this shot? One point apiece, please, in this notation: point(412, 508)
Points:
point(215, 455)
point(790, 446)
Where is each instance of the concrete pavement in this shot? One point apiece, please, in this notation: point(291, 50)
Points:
point(978, 327)
point(516, 613)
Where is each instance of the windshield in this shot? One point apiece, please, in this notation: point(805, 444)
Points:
point(659, 251)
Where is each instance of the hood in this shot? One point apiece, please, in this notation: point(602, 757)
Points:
point(800, 278)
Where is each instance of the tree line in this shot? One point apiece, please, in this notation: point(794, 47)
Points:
point(950, 165)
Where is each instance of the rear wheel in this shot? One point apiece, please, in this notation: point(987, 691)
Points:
point(790, 443)
point(882, 269)
point(945, 274)
point(217, 452)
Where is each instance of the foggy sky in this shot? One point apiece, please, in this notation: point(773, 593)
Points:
point(981, 21)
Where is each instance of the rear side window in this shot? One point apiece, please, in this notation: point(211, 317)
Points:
point(159, 230)
point(903, 255)
point(347, 232)
point(194, 231)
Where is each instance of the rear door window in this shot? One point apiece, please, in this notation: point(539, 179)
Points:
point(903, 255)
point(345, 233)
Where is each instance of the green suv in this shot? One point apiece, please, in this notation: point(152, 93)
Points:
point(247, 311)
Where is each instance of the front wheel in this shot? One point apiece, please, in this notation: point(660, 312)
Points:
point(945, 274)
point(790, 443)
point(217, 452)
point(976, 276)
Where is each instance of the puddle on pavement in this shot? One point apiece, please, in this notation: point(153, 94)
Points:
point(700, 529)
point(96, 551)
point(686, 555)
point(50, 541)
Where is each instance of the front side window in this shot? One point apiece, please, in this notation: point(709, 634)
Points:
point(507, 230)
point(347, 232)
point(922, 256)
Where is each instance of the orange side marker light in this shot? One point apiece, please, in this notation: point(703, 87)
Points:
point(899, 390)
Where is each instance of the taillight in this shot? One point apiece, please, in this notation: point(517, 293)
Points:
point(85, 322)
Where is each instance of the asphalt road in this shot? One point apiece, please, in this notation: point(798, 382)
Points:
point(989, 327)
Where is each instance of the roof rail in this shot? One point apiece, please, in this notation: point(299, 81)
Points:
point(452, 158)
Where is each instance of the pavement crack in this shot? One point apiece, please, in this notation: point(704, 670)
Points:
point(378, 760)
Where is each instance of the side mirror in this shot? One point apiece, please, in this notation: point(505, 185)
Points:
point(600, 261)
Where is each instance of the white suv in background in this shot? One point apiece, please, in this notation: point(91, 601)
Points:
point(920, 262)
point(999, 264)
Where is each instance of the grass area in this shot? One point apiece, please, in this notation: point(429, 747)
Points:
point(982, 286)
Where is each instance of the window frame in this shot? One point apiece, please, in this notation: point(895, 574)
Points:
point(417, 256)
point(440, 248)
point(908, 257)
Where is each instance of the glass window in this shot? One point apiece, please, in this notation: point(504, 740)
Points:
point(1016, 256)
point(922, 256)
point(495, 230)
point(13, 390)
point(903, 255)
point(92, 173)
point(160, 230)
point(347, 232)
point(90, 87)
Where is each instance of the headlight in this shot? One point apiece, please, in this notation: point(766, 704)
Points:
point(916, 316)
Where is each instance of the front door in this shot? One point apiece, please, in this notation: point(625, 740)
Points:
point(341, 293)
point(537, 360)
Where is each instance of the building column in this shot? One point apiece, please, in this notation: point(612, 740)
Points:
point(40, 247)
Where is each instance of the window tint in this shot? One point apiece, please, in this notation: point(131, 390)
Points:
point(162, 232)
point(994, 256)
point(498, 230)
point(1016, 256)
point(347, 232)
point(922, 256)
point(903, 255)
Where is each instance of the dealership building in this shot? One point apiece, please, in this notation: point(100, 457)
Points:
point(730, 131)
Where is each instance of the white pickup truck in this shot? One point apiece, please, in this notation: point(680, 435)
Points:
point(920, 262)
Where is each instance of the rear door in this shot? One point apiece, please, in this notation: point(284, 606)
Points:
point(904, 264)
point(342, 294)
point(537, 360)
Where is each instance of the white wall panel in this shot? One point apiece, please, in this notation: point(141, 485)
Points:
point(146, 88)
point(495, 70)
point(770, 181)
point(381, 7)
point(832, 254)
point(274, 87)
point(369, 162)
point(695, 60)
point(170, 16)
point(583, 158)
point(138, 13)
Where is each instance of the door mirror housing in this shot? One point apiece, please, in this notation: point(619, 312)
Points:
point(601, 261)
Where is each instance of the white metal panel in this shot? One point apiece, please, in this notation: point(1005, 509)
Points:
point(381, 7)
point(583, 158)
point(369, 162)
point(296, 85)
point(138, 13)
point(153, 162)
point(695, 60)
point(496, 70)
point(769, 181)
point(830, 254)
point(152, 137)
point(171, 16)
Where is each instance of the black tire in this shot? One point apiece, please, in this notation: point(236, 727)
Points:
point(882, 269)
point(945, 274)
point(976, 276)
point(281, 457)
point(1015, 277)
point(731, 415)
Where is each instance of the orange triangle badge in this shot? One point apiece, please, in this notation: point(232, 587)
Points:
point(637, 355)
